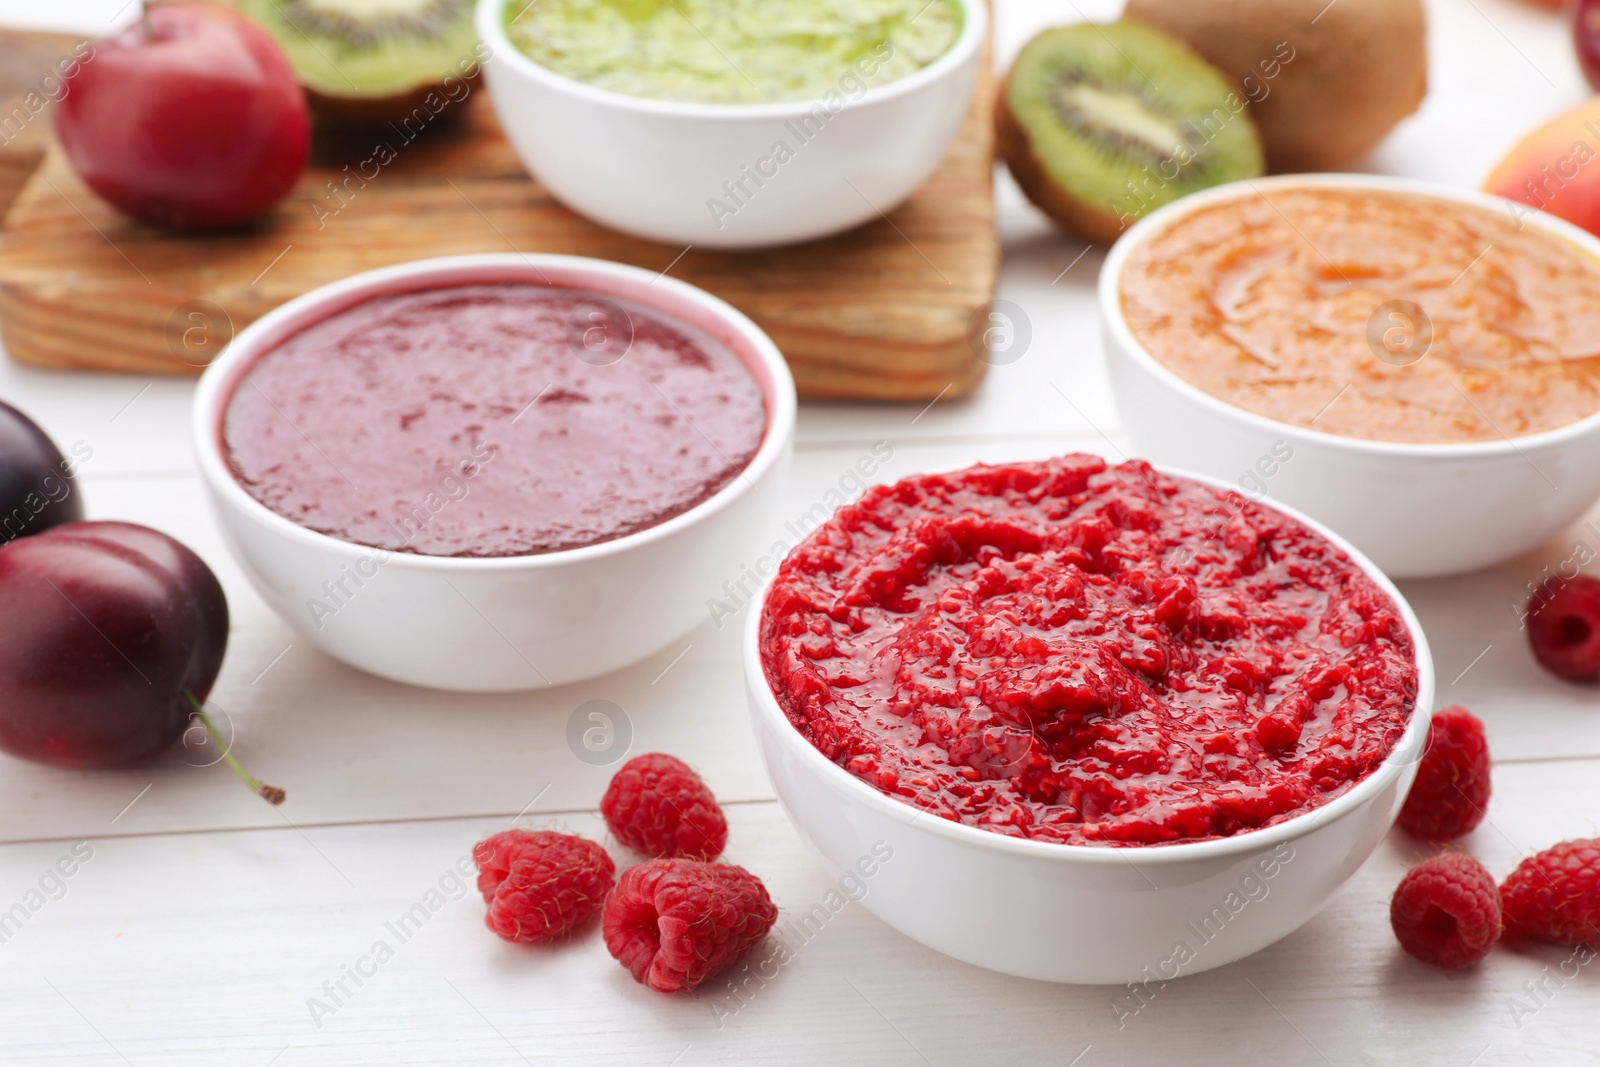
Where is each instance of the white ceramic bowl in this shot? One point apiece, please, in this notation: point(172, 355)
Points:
point(518, 622)
point(655, 168)
point(1075, 913)
point(1417, 510)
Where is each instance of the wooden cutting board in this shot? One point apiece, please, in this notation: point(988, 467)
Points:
point(29, 63)
point(882, 312)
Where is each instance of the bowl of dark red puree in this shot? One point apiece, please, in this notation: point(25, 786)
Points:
point(494, 472)
point(1087, 722)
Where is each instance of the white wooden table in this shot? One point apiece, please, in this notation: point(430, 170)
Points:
point(204, 922)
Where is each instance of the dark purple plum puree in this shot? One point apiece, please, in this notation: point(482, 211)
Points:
point(492, 420)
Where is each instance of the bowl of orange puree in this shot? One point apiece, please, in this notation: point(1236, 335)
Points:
point(1416, 366)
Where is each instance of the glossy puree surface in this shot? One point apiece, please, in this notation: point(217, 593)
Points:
point(492, 420)
point(1293, 304)
point(1085, 654)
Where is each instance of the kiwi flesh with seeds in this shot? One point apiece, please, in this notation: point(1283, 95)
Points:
point(369, 62)
point(1102, 124)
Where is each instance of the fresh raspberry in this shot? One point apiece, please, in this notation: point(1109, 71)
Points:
point(1555, 896)
point(1446, 911)
point(1452, 787)
point(675, 923)
point(1564, 627)
point(658, 806)
point(541, 885)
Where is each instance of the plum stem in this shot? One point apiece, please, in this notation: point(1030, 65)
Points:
point(270, 793)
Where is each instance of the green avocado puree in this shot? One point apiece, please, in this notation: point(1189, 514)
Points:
point(734, 51)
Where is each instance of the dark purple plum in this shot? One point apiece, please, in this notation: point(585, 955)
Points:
point(36, 488)
point(111, 636)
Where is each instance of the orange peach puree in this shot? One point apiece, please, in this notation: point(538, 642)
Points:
point(1276, 303)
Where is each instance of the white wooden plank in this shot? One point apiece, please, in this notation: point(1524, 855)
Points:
point(259, 920)
point(186, 940)
point(124, 423)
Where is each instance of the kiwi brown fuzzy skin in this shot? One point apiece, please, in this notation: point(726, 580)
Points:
point(1013, 145)
point(1359, 69)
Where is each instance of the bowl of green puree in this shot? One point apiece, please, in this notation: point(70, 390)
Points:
point(732, 123)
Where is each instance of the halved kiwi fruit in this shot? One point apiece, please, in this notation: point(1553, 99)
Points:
point(1101, 124)
point(366, 62)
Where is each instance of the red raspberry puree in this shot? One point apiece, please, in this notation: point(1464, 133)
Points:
point(1087, 655)
point(463, 422)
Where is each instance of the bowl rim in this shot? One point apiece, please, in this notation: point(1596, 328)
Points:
point(217, 382)
point(974, 33)
point(765, 709)
point(1116, 324)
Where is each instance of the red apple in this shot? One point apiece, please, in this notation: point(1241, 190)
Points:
point(191, 118)
point(1556, 168)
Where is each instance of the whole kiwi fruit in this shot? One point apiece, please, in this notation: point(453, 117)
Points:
point(1101, 124)
point(1326, 82)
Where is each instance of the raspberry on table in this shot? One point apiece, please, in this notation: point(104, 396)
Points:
point(1555, 895)
point(1446, 911)
point(657, 805)
point(674, 923)
point(540, 885)
point(1451, 792)
point(1564, 627)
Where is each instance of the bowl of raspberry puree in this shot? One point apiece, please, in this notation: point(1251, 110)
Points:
point(494, 472)
point(1416, 366)
point(1114, 723)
